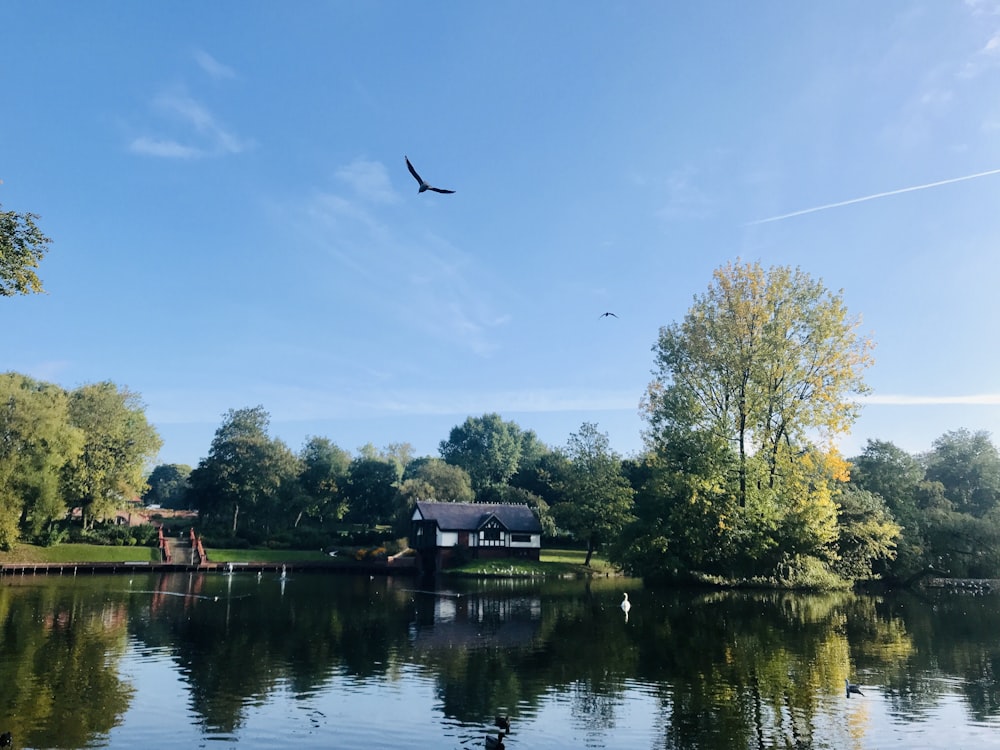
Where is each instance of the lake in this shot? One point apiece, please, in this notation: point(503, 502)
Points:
point(325, 660)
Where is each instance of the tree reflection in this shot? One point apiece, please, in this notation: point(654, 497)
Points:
point(727, 669)
point(61, 649)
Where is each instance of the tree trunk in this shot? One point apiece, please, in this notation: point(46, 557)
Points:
point(236, 515)
point(590, 551)
point(774, 455)
point(743, 455)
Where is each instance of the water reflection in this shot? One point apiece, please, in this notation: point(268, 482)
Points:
point(258, 661)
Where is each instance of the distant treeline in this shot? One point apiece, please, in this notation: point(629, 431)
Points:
point(739, 481)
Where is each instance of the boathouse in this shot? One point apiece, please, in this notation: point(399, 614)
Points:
point(444, 534)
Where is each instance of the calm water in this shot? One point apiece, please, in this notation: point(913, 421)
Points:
point(336, 661)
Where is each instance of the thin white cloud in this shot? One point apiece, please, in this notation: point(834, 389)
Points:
point(981, 399)
point(292, 403)
point(213, 67)
point(983, 7)
point(685, 200)
point(886, 194)
point(162, 148)
point(369, 179)
point(196, 115)
point(202, 134)
point(987, 58)
point(428, 284)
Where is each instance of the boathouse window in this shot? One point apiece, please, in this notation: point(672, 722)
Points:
point(520, 538)
point(491, 537)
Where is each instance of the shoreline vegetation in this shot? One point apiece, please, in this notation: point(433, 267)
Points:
point(553, 562)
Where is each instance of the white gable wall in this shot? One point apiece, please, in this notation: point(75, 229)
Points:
point(447, 538)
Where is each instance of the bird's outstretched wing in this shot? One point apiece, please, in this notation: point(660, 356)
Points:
point(607, 314)
point(439, 190)
point(412, 170)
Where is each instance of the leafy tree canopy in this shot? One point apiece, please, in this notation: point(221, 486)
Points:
point(118, 446)
point(22, 247)
point(37, 441)
point(598, 500)
point(245, 471)
point(487, 447)
point(324, 472)
point(168, 486)
point(967, 465)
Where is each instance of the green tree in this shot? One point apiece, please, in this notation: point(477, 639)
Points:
point(324, 472)
point(36, 442)
point(685, 509)
point(168, 486)
point(400, 455)
point(118, 445)
point(890, 472)
point(370, 491)
point(762, 364)
point(446, 482)
point(894, 475)
point(765, 360)
point(533, 450)
point(598, 498)
point(968, 466)
point(22, 247)
point(867, 533)
point(488, 448)
point(245, 473)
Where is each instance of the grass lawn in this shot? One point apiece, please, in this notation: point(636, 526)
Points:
point(567, 562)
point(78, 553)
point(553, 561)
point(265, 555)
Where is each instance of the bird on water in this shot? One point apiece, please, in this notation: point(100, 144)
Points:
point(423, 184)
point(503, 722)
point(626, 604)
point(494, 743)
point(850, 687)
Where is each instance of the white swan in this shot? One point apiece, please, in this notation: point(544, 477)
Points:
point(626, 604)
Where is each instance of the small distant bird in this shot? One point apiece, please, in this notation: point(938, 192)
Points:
point(608, 315)
point(423, 185)
point(6, 739)
point(503, 722)
point(626, 604)
point(494, 743)
point(850, 687)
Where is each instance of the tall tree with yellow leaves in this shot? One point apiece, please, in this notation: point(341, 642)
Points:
point(765, 365)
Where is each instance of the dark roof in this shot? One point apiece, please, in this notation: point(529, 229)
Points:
point(470, 516)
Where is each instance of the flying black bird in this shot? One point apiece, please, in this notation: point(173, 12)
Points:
point(607, 314)
point(850, 687)
point(423, 185)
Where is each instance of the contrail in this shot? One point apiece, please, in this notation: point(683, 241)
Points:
point(889, 399)
point(873, 197)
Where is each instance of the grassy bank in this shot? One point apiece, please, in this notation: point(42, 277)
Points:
point(560, 562)
point(78, 553)
point(557, 562)
point(265, 555)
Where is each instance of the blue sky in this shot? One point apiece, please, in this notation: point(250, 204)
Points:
point(233, 223)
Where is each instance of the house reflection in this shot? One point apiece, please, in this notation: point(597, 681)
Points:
point(449, 620)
